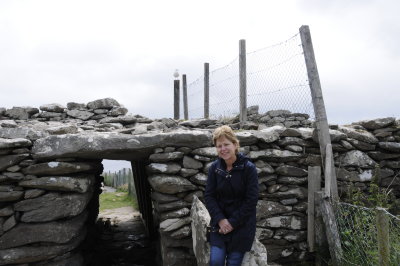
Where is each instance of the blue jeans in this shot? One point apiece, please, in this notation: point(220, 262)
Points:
point(218, 256)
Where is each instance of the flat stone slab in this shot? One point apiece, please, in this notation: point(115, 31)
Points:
point(289, 170)
point(27, 254)
point(274, 154)
point(170, 184)
point(173, 224)
point(270, 208)
point(60, 183)
point(59, 232)
point(14, 143)
point(52, 206)
point(377, 123)
point(390, 146)
point(11, 196)
point(106, 103)
point(124, 120)
point(10, 160)
point(22, 132)
point(171, 205)
point(21, 113)
point(84, 115)
point(207, 151)
point(289, 222)
point(53, 107)
point(359, 134)
point(160, 168)
point(115, 146)
point(58, 168)
point(166, 157)
point(357, 158)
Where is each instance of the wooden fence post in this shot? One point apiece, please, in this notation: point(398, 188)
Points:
point(382, 228)
point(176, 99)
point(318, 103)
point(185, 99)
point(130, 188)
point(242, 81)
point(314, 185)
point(331, 229)
point(328, 170)
point(206, 90)
point(321, 243)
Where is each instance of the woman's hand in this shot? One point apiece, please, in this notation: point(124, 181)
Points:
point(224, 226)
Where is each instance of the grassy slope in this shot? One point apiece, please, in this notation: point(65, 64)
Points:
point(113, 200)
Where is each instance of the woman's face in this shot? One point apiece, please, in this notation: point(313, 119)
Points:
point(226, 149)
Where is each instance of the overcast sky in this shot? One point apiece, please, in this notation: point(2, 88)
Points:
point(56, 51)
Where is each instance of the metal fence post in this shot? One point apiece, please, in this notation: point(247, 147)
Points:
point(242, 81)
point(206, 90)
point(318, 103)
point(185, 99)
point(176, 99)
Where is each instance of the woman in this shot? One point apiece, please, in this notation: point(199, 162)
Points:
point(231, 197)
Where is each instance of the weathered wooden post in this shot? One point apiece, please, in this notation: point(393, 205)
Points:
point(206, 90)
point(242, 82)
point(331, 229)
point(185, 99)
point(130, 183)
point(321, 243)
point(318, 103)
point(382, 228)
point(328, 170)
point(176, 95)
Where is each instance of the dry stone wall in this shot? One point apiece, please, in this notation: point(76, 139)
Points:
point(282, 155)
point(50, 167)
point(45, 207)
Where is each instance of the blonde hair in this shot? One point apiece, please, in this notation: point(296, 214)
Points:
point(227, 132)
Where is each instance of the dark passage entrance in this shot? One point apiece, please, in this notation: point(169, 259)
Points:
point(124, 235)
point(122, 244)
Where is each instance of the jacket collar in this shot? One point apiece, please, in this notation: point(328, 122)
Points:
point(241, 160)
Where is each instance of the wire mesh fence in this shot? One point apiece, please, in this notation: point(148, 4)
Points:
point(224, 90)
point(276, 80)
point(358, 229)
point(195, 98)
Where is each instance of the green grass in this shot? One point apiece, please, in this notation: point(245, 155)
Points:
point(113, 200)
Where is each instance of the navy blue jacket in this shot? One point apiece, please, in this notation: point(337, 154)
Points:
point(233, 195)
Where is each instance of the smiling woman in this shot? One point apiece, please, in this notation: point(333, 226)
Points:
point(231, 197)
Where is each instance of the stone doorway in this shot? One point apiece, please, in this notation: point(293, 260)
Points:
point(120, 236)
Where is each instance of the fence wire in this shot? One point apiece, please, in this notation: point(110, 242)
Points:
point(358, 234)
point(195, 96)
point(224, 91)
point(276, 79)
